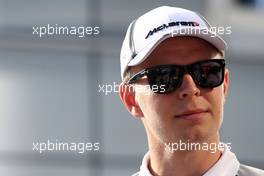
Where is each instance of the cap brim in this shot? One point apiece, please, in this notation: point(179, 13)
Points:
point(206, 35)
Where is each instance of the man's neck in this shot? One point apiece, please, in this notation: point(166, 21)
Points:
point(183, 163)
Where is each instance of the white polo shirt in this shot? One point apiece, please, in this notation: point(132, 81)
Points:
point(227, 165)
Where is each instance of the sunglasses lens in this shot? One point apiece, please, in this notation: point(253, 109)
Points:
point(208, 74)
point(167, 78)
point(164, 79)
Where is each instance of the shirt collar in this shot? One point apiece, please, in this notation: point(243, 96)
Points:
point(227, 165)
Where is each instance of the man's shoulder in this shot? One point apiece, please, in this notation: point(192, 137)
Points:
point(243, 171)
point(248, 170)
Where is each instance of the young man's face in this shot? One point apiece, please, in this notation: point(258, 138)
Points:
point(161, 113)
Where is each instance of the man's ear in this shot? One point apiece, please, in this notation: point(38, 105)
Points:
point(226, 82)
point(127, 95)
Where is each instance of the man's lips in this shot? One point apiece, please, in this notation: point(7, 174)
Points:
point(192, 114)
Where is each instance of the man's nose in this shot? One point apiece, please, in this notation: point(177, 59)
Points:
point(188, 87)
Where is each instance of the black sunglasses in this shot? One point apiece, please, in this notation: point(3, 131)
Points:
point(167, 78)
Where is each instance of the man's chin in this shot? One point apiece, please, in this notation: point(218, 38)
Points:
point(195, 134)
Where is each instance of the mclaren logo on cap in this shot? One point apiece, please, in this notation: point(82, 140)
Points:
point(171, 24)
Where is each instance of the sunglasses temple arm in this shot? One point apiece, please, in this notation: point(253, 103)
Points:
point(136, 77)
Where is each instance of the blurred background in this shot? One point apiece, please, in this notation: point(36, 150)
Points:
point(49, 86)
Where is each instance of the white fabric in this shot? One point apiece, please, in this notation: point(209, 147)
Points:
point(227, 165)
point(153, 23)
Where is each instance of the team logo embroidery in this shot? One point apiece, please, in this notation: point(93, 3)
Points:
point(171, 24)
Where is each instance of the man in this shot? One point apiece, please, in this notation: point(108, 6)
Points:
point(175, 81)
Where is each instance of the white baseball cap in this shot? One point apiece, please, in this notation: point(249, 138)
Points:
point(145, 33)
